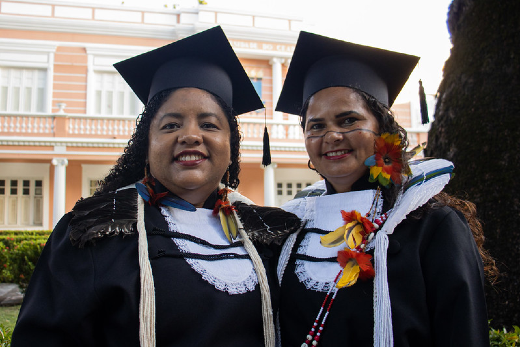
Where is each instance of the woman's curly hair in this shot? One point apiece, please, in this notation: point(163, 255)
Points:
point(130, 166)
point(388, 124)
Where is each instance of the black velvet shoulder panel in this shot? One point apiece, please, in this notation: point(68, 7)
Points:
point(102, 216)
point(267, 224)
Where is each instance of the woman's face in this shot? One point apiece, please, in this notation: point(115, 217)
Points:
point(189, 144)
point(339, 135)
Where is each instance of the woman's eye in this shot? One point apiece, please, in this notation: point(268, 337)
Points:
point(349, 120)
point(316, 126)
point(208, 125)
point(170, 126)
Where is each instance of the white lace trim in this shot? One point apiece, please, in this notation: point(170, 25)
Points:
point(234, 276)
point(324, 212)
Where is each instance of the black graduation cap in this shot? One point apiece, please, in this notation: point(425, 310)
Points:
point(204, 60)
point(320, 62)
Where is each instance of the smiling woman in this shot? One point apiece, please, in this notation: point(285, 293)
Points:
point(166, 253)
point(385, 258)
point(339, 132)
point(189, 149)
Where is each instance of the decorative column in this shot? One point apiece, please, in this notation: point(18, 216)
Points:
point(277, 83)
point(269, 185)
point(277, 131)
point(60, 175)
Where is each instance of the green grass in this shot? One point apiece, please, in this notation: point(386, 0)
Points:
point(8, 315)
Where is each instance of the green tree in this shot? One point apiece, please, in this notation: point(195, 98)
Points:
point(477, 126)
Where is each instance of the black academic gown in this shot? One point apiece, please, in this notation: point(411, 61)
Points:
point(435, 279)
point(90, 296)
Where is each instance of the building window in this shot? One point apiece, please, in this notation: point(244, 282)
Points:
point(286, 191)
point(21, 202)
point(93, 186)
point(114, 97)
point(22, 90)
point(257, 83)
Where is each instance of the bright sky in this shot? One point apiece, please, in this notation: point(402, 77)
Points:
point(410, 26)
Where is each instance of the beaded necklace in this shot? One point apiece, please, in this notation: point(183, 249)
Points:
point(357, 233)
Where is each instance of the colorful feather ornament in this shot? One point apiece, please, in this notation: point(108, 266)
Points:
point(355, 265)
point(354, 233)
point(357, 232)
point(386, 165)
point(416, 150)
point(226, 213)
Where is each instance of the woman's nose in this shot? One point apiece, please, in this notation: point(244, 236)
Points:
point(333, 136)
point(190, 135)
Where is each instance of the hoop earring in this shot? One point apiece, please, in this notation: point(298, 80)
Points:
point(312, 168)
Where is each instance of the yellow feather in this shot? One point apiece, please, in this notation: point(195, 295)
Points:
point(233, 225)
point(375, 170)
point(416, 150)
point(224, 223)
point(334, 238)
point(353, 234)
point(350, 274)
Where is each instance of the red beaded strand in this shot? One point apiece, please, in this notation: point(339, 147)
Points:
point(311, 339)
point(377, 222)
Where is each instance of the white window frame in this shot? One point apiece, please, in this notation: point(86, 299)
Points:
point(31, 54)
point(130, 104)
point(28, 79)
point(285, 176)
point(21, 172)
point(100, 60)
point(92, 172)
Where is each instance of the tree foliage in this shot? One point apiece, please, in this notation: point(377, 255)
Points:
point(477, 126)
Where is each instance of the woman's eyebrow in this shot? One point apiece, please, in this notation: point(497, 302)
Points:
point(207, 115)
point(346, 113)
point(340, 115)
point(170, 115)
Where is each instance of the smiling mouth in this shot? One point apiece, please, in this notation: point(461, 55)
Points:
point(337, 153)
point(190, 157)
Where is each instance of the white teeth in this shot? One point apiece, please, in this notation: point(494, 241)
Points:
point(333, 154)
point(190, 157)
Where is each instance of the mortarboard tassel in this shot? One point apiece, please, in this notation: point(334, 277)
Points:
point(424, 105)
point(266, 158)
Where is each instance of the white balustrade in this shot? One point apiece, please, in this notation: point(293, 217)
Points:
point(110, 126)
point(26, 123)
point(282, 130)
point(100, 126)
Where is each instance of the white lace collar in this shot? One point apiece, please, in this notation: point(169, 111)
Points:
point(324, 213)
point(234, 276)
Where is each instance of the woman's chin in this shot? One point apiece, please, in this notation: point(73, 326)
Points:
point(193, 187)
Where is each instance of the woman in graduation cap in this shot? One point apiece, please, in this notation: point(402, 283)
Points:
point(163, 253)
point(385, 258)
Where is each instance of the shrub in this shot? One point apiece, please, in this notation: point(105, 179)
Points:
point(5, 336)
point(504, 338)
point(19, 252)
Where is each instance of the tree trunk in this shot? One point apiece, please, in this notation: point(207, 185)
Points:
point(477, 126)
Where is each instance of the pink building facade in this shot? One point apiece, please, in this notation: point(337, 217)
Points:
point(66, 115)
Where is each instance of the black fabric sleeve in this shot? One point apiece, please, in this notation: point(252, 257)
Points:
point(454, 280)
point(66, 305)
point(58, 300)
